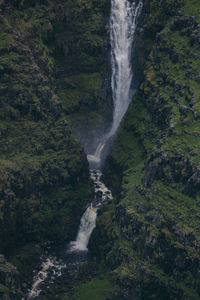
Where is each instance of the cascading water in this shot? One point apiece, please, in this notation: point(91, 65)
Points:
point(51, 267)
point(123, 21)
point(88, 221)
point(96, 157)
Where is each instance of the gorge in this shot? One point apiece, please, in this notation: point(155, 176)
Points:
point(118, 217)
point(123, 22)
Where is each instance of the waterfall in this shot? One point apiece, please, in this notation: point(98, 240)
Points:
point(123, 22)
point(88, 223)
point(96, 157)
point(88, 220)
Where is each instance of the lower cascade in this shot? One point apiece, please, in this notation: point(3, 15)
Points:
point(51, 263)
point(51, 267)
point(88, 221)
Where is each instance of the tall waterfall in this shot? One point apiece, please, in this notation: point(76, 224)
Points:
point(123, 22)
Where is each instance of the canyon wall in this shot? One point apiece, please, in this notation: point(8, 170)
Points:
point(51, 66)
point(148, 239)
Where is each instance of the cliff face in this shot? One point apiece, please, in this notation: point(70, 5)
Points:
point(44, 178)
point(82, 57)
point(149, 238)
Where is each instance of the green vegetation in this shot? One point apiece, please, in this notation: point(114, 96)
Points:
point(96, 289)
point(84, 83)
point(150, 235)
point(44, 176)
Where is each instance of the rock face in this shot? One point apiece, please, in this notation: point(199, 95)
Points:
point(9, 279)
point(149, 238)
point(44, 176)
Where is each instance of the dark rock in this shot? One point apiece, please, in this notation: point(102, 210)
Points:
point(193, 100)
point(184, 109)
point(10, 279)
point(197, 79)
point(195, 115)
point(172, 130)
point(177, 87)
point(150, 173)
point(179, 23)
point(195, 37)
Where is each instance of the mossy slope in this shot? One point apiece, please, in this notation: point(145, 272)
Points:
point(44, 178)
point(149, 238)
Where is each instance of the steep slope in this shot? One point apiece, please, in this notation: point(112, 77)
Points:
point(148, 240)
point(82, 57)
point(44, 178)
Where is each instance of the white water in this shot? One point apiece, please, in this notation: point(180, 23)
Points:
point(96, 157)
point(50, 263)
point(123, 22)
point(88, 220)
point(88, 223)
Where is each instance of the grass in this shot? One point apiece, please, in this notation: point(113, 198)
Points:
point(192, 8)
point(96, 289)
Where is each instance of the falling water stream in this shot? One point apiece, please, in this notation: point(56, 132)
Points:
point(123, 22)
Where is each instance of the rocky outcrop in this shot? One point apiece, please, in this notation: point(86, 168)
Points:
point(9, 281)
point(173, 168)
